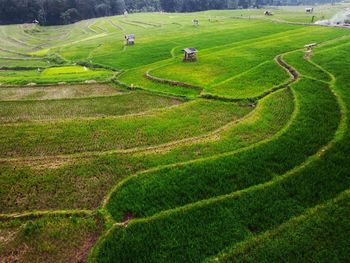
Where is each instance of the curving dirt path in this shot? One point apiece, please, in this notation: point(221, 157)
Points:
point(292, 71)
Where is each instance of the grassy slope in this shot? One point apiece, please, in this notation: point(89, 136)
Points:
point(47, 239)
point(57, 92)
point(270, 116)
point(252, 83)
point(229, 62)
point(189, 120)
point(171, 187)
point(189, 232)
point(165, 39)
point(102, 107)
point(83, 185)
point(52, 76)
point(135, 77)
point(320, 235)
point(260, 208)
point(13, 63)
point(304, 67)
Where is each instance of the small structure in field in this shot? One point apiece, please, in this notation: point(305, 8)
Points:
point(310, 46)
point(268, 13)
point(190, 54)
point(130, 39)
point(195, 22)
point(36, 22)
point(309, 10)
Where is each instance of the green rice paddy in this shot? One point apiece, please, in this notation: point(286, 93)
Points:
point(115, 153)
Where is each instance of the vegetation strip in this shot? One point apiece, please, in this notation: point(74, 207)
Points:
point(87, 137)
point(172, 82)
point(327, 224)
point(38, 214)
point(62, 110)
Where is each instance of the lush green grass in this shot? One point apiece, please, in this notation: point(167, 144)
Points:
point(204, 179)
point(195, 232)
point(50, 239)
point(13, 63)
point(270, 116)
point(320, 235)
point(175, 36)
point(130, 103)
point(53, 75)
point(135, 78)
point(57, 92)
point(231, 61)
point(168, 188)
point(192, 119)
point(304, 67)
point(191, 233)
point(85, 184)
point(252, 83)
point(64, 70)
point(287, 13)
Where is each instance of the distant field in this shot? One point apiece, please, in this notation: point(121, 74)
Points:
point(54, 75)
point(125, 153)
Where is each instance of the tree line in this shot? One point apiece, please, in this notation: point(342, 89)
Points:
point(54, 12)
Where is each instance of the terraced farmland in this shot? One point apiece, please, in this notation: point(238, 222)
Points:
point(115, 153)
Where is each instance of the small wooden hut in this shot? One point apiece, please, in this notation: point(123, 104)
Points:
point(190, 54)
point(310, 46)
point(309, 10)
point(130, 39)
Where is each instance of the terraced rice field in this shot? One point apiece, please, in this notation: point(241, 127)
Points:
point(114, 153)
